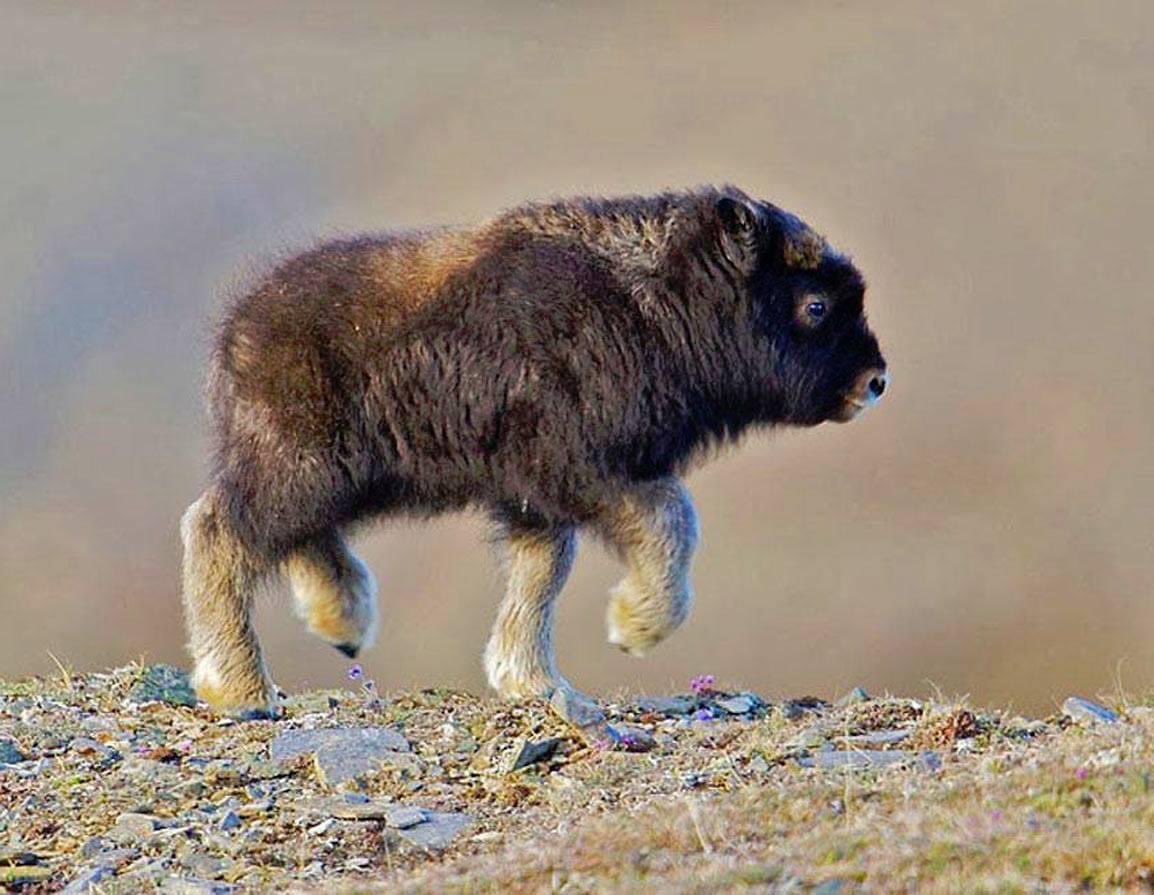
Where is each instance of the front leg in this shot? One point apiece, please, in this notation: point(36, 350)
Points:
point(654, 528)
point(519, 659)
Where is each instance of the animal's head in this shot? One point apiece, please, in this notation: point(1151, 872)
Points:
point(813, 351)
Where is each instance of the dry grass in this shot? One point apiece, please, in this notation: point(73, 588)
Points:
point(716, 806)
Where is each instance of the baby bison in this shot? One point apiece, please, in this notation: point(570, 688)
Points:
point(557, 367)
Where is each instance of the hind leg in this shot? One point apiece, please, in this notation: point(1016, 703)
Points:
point(335, 593)
point(519, 658)
point(654, 528)
point(220, 579)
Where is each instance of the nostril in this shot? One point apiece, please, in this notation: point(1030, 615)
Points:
point(877, 386)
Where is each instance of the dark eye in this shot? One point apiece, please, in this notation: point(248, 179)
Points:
point(816, 310)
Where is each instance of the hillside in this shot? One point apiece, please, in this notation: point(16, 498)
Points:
point(115, 782)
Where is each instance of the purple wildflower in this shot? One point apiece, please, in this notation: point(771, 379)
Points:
point(702, 684)
point(1082, 773)
point(356, 673)
point(705, 713)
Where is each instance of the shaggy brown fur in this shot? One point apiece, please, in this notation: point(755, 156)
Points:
point(557, 367)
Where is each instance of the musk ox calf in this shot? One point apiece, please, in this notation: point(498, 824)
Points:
point(557, 367)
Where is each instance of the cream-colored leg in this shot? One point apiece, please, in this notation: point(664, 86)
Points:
point(220, 579)
point(519, 658)
point(335, 594)
point(654, 528)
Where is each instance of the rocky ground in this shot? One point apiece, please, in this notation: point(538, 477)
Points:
point(119, 782)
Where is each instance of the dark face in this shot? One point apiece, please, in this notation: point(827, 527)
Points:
point(821, 361)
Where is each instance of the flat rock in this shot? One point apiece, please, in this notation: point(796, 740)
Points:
point(437, 831)
point(631, 739)
point(533, 752)
point(164, 683)
point(736, 705)
point(402, 817)
point(367, 810)
point(9, 754)
point(666, 705)
point(862, 759)
point(1088, 712)
point(342, 753)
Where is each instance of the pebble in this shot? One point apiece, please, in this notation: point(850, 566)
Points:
point(229, 821)
point(1078, 709)
point(132, 825)
point(437, 831)
point(343, 753)
point(631, 739)
point(736, 705)
point(164, 683)
point(9, 754)
point(402, 817)
point(666, 705)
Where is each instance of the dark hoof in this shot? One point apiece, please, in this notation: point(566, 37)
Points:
point(349, 649)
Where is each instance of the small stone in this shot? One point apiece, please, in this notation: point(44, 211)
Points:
point(853, 697)
point(204, 866)
point(437, 831)
point(230, 820)
point(344, 753)
point(1077, 708)
point(132, 825)
point(631, 739)
point(95, 846)
point(9, 754)
point(832, 887)
point(666, 705)
point(758, 765)
point(263, 769)
point(533, 752)
point(863, 759)
point(164, 683)
point(401, 817)
point(736, 705)
point(106, 755)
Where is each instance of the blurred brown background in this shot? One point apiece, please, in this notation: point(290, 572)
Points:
point(989, 165)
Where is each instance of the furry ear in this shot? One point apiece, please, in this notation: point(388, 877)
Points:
point(737, 217)
point(739, 225)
